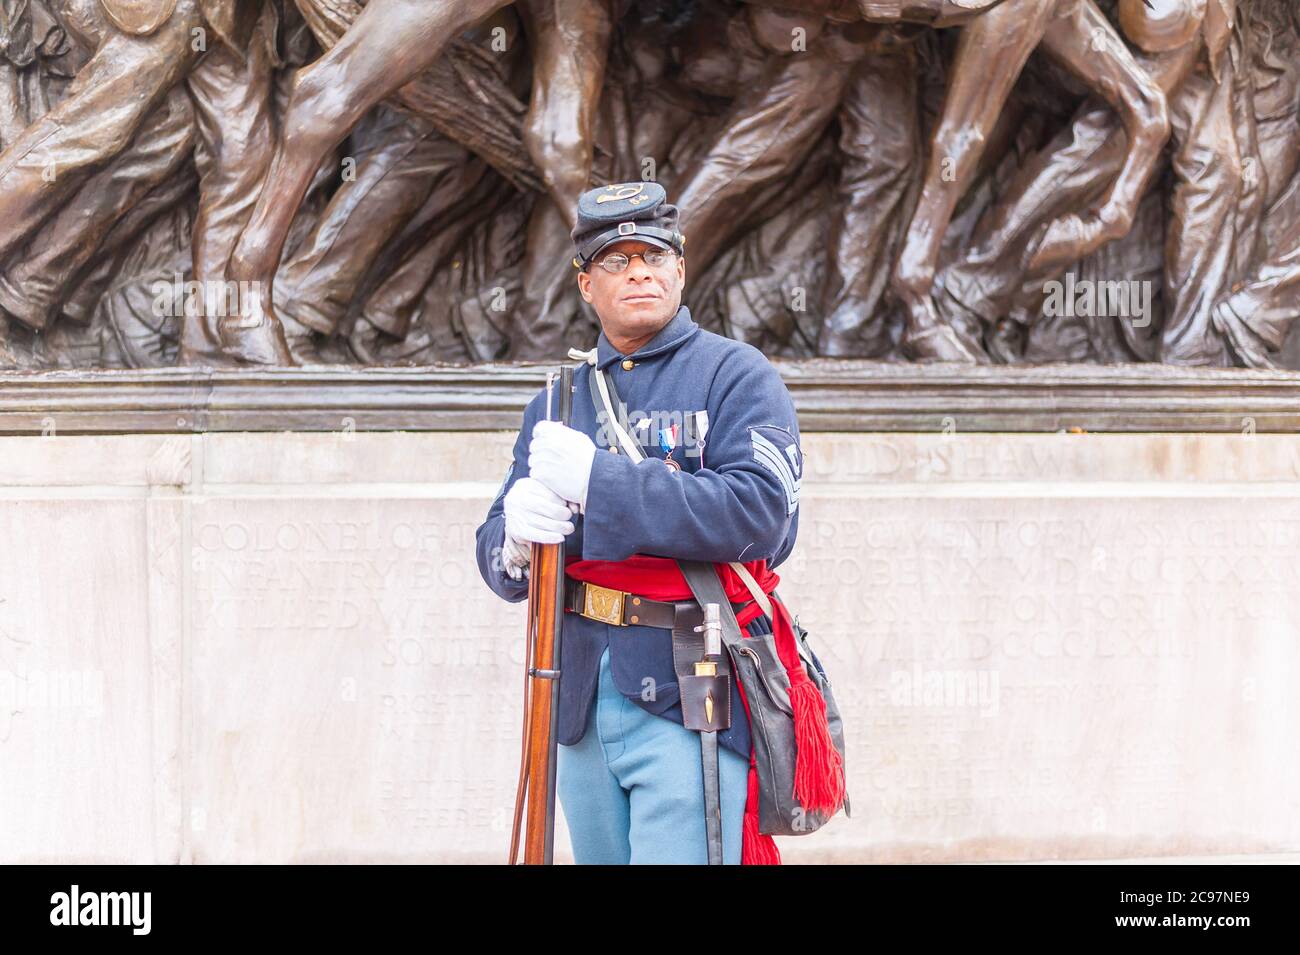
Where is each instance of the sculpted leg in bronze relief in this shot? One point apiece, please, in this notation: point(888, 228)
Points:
point(990, 56)
point(569, 43)
point(1081, 40)
point(880, 149)
point(232, 94)
point(36, 281)
point(1215, 202)
point(1001, 276)
point(390, 43)
point(1216, 205)
point(123, 83)
point(771, 127)
point(936, 13)
point(1256, 316)
point(459, 202)
point(398, 163)
point(55, 191)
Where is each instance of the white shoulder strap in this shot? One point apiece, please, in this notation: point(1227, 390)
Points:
point(756, 591)
point(629, 446)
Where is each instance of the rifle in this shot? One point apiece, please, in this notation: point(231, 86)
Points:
point(542, 679)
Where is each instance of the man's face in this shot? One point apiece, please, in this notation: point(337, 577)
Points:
point(639, 300)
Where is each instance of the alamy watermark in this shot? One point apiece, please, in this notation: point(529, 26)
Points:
point(946, 688)
point(649, 429)
point(1085, 298)
point(77, 907)
point(23, 689)
point(178, 298)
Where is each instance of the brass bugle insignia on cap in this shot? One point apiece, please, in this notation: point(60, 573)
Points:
point(623, 192)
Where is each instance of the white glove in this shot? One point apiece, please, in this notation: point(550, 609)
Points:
point(534, 514)
point(561, 458)
point(516, 555)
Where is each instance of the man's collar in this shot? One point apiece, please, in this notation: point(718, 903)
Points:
point(679, 328)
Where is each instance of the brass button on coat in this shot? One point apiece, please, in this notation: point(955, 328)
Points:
point(627, 364)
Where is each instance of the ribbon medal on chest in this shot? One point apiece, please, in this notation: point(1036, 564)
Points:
point(668, 440)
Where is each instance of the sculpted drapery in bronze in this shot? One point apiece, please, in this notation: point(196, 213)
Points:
point(250, 182)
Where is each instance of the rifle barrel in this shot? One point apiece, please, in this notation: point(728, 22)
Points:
point(542, 691)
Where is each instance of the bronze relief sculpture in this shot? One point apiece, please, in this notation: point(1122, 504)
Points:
point(276, 182)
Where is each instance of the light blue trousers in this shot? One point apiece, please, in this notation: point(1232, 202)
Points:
point(632, 789)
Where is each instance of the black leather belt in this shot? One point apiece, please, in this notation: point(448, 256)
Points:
point(615, 607)
point(619, 608)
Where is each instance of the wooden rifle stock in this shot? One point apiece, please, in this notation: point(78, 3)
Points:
point(542, 683)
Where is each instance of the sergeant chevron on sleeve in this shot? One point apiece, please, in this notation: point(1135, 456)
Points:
point(700, 460)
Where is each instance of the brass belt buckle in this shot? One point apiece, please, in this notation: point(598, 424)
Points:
point(603, 604)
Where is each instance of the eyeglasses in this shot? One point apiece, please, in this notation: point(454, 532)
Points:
point(617, 262)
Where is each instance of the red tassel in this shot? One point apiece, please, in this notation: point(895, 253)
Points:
point(756, 848)
point(818, 768)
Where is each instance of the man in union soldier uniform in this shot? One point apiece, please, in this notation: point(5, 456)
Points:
point(707, 467)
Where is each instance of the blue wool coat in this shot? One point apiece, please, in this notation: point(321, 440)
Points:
point(736, 497)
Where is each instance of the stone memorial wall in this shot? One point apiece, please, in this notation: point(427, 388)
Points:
point(277, 648)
